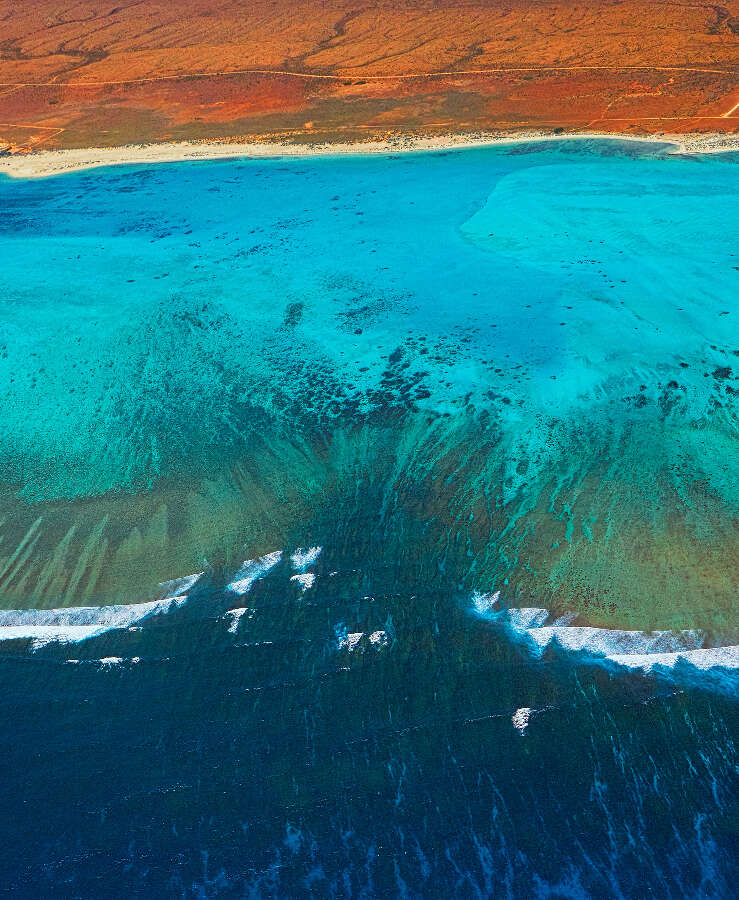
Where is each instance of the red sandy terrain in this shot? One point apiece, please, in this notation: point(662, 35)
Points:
point(89, 73)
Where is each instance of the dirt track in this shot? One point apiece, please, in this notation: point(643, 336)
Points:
point(145, 71)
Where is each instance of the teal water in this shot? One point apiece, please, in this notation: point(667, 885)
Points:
point(521, 361)
point(498, 388)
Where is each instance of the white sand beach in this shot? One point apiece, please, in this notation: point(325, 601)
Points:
point(44, 163)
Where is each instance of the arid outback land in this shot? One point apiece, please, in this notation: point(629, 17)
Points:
point(80, 74)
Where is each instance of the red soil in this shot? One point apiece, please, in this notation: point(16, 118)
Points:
point(86, 73)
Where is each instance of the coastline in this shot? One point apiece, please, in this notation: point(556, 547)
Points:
point(46, 163)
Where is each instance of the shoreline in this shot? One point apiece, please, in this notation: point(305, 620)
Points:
point(46, 163)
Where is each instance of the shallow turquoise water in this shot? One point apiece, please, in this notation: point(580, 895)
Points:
point(508, 370)
point(109, 276)
point(546, 334)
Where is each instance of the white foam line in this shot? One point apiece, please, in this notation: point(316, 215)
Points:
point(528, 617)
point(106, 662)
point(350, 641)
point(236, 615)
point(607, 641)
point(379, 639)
point(79, 623)
point(301, 558)
point(636, 650)
point(520, 719)
point(703, 658)
point(179, 586)
point(304, 579)
point(484, 605)
point(81, 617)
point(46, 634)
point(252, 570)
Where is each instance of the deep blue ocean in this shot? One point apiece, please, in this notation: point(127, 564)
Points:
point(448, 443)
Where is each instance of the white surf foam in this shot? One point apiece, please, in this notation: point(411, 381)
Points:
point(656, 651)
point(236, 615)
point(528, 617)
point(305, 580)
point(72, 624)
point(302, 558)
point(703, 658)
point(350, 641)
point(379, 639)
point(77, 616)
point(252, 570)
point(106, 662)
point(78, 623)
point(607, 641)
point(483, 605)
point(177, 587)
point(520, 719)
point(46, 634)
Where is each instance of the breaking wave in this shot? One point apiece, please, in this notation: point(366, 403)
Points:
point(684, 656)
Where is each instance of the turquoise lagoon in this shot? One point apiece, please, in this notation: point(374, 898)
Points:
point(512, 368)
point(422, 447)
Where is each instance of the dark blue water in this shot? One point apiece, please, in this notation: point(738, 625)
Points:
point(272, 760)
